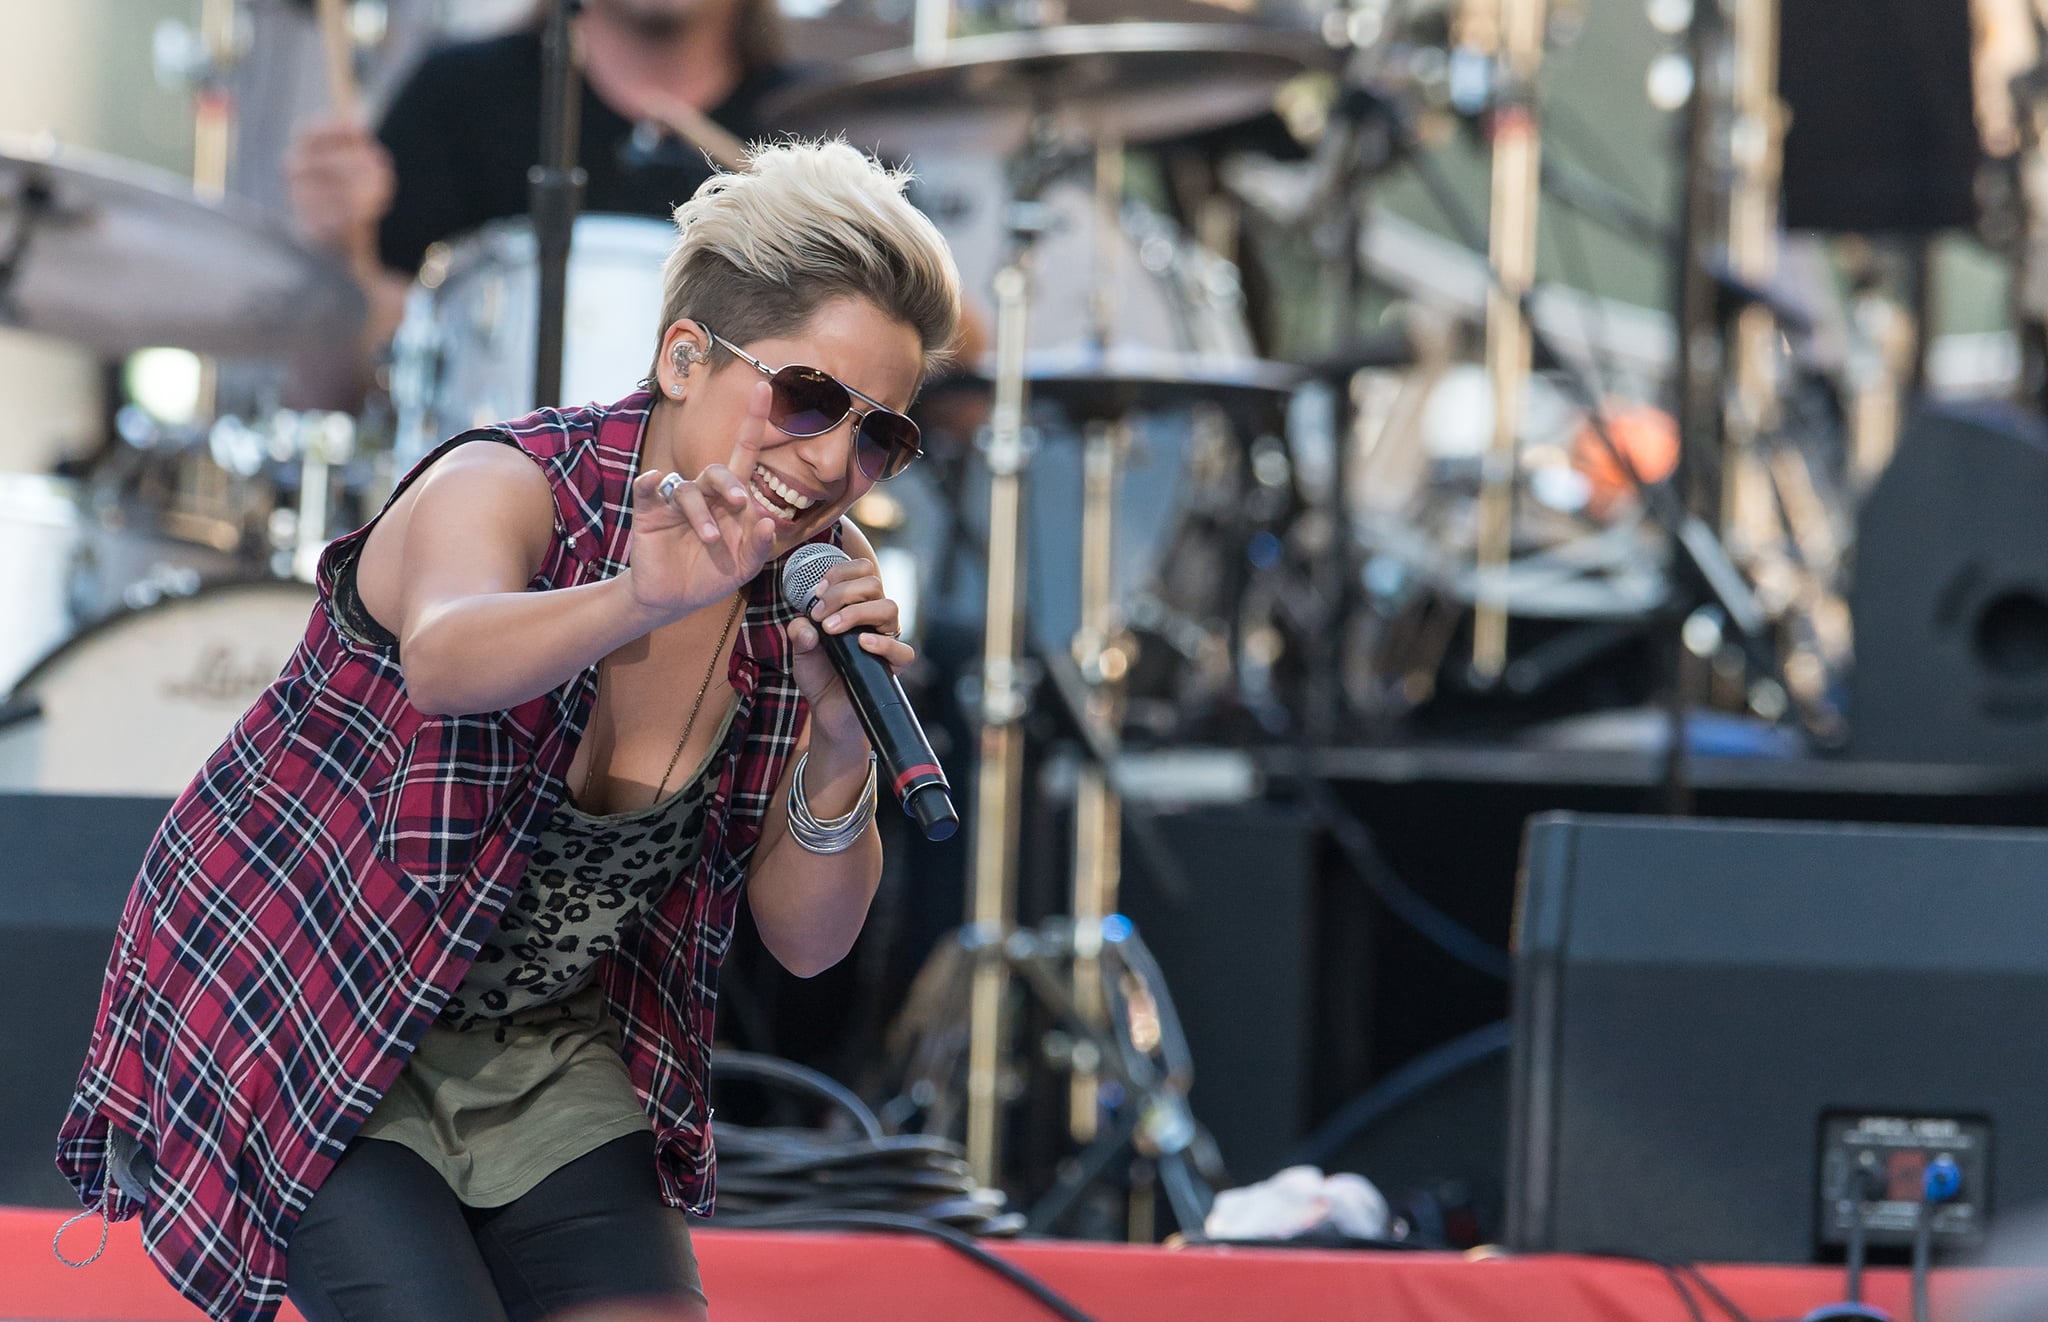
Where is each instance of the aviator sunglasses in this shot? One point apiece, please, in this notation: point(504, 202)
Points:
point(809, 402)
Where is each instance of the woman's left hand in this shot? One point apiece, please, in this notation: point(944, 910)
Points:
point(850, 596)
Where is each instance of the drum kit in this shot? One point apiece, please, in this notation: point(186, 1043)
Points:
point(1131, 323)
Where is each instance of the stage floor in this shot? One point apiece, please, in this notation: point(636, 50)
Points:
point(780, 1276)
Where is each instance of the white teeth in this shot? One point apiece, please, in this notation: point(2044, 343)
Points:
point(796, 500)
point(774, 507)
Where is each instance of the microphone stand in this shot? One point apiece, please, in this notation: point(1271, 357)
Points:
point(554, 196)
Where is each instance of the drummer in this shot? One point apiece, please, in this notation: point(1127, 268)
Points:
point(453, 149)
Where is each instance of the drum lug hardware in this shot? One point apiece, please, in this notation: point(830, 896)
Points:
point(1007, 460)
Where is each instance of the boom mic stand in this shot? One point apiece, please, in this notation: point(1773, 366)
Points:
point(554, 190)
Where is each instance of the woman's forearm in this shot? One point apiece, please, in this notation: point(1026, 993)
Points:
point(810, 907)
point(497, 650)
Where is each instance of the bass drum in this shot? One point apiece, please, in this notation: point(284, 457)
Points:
point(463, 355)
point(137, 702)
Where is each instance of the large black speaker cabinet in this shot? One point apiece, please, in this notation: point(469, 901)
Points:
point(1951, 595)
point(1696, 1002)
point(1882, 136)
point(66, 865)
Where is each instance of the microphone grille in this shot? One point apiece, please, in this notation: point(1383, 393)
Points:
point(805, 569)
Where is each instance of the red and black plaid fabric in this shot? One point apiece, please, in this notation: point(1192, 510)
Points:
point(321, 887)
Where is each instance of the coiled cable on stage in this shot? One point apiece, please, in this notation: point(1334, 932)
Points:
point(809, 1179)
point(764, 1171)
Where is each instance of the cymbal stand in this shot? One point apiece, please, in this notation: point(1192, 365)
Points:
point(1100, 653)
point(1513, 29)
point(998, 787)
point(1097, 808)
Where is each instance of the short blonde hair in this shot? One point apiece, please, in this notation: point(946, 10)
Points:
point(759, 251)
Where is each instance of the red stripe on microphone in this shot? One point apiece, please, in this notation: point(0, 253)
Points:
point(921, 769)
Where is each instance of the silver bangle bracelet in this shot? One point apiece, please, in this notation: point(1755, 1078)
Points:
point(832, 835)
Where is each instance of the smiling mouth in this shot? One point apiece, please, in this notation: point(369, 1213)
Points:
point(782, 502)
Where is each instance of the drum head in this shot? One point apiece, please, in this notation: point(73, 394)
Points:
point(138, 702)
point(463, 356)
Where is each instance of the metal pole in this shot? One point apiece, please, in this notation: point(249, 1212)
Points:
point(1517, 165)
point(1756, 137)
point(999, 780)
point(555, 194)
point(1098, 840)
point(931, 27)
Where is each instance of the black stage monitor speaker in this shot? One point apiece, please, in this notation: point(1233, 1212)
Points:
point(1718, 1025)
point(1951, 595)
point(1883, 136)
point(67, 862)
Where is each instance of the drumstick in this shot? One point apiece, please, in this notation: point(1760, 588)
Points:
point(699, 130)
point(340, 52)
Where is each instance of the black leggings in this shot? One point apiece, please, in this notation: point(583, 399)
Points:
point(386, 1240)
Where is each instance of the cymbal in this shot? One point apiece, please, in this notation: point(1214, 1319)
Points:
point(1092, 384)
point(819, 31)
point(117, 256)
point(1135, 82)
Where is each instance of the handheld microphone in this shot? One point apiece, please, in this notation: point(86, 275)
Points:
point(898, 740)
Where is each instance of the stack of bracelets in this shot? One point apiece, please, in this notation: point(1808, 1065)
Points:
point(834, 834)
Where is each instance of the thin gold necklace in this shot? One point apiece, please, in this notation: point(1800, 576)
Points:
point(590, 768)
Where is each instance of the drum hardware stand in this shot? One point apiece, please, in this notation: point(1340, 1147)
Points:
point(999, 789)
point(555, 195)
point(1101, 653)
point(999, 781)
point(1153, 1124)
point(1101, 658)
point(1137, 1044)
point(1701, 568)
point(1768, 494)
point(1512, 30)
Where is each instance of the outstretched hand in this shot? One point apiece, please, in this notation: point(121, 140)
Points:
point(697, 541)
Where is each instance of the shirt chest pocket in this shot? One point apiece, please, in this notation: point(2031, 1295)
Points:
point(447, 793)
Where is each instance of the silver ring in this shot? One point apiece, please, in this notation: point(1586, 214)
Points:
point(669, 486)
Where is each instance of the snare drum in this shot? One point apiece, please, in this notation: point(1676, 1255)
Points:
point(136, 703)
point(463, 355)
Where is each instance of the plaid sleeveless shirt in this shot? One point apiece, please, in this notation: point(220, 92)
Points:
point(323, 884)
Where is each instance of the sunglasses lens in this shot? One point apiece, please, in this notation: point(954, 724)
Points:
point(806, 401)
point(885, 444)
